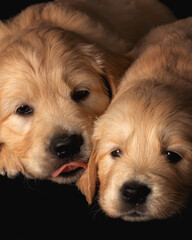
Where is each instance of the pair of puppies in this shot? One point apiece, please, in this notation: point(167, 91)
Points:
point(142, 153)
point(59, 68)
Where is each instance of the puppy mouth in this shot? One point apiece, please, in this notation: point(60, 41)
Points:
point(69, 168)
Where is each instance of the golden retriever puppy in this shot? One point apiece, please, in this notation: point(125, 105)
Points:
point(58, 73)
point(142, 154)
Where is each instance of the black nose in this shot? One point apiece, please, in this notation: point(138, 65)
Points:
point(135, 193)
point(66, 145)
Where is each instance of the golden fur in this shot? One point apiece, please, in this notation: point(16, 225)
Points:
point(57, 75)
point(142, 154)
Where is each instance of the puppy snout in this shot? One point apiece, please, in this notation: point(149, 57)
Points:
point(66, 145)
point(135, 193)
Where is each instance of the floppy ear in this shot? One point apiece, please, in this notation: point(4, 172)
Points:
point(87, 182)
point(110, 65)
point(114, 68)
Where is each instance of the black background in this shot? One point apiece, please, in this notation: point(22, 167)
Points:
point(41, 209)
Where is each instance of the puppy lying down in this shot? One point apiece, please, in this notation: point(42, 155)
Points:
point(57, 75)
point(142, 154)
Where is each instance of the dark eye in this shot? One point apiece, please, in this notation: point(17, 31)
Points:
point(24, 110)
point(79, 95)
point(116, 153)
point(172, 156)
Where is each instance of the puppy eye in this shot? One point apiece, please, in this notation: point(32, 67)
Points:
point(80, 95)
point(24, 110)
point(172, 156)
point(116, 153)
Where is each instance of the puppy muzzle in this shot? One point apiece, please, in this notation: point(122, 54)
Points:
point(66, 146)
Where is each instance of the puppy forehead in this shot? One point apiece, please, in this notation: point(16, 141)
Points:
point(112, 127)
point(144, 118)
point(46, 49)
point(31, 64)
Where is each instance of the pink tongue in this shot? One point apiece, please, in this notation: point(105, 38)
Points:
point(69, 167)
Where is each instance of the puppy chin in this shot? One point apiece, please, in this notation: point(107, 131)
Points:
point(67, 178)
point(64, 173)
point(117, 209)
point(136, 217)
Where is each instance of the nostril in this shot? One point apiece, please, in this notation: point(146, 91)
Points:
point(135, 193)
point(66, 145)
point(61, 149)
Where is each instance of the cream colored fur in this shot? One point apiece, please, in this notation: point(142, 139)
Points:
point(48, 54)
point(148, 125)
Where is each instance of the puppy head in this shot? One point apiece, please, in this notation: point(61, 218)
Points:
point(52, 87)
point(142, 156)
